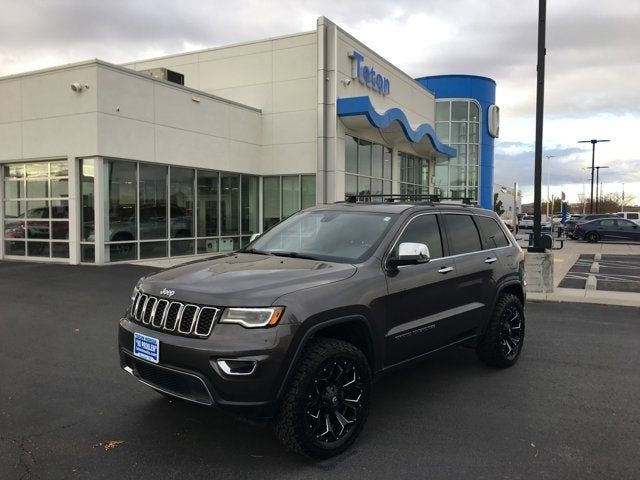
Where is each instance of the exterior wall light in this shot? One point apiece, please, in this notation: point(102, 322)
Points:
point(78, 87)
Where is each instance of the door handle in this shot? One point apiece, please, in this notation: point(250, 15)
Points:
point(444, 270)
point(491, 260)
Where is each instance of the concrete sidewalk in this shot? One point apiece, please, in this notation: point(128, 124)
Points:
point(566, 257)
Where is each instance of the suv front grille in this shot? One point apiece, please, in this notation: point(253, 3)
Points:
point(175, 317)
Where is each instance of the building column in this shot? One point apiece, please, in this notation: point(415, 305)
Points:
point(395, 172)
point(74, 198)
point(99, 191)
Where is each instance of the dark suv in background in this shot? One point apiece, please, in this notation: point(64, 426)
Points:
point(295, 326)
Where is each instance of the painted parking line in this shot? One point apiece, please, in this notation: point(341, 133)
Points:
point(618, 273)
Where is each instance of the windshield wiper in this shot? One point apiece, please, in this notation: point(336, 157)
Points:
point(294, 255)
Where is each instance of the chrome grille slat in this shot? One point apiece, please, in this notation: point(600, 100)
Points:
point(148, 309)
point(188, 318)
point(174, 317)
point(204, 323)
point(140, 307)
point(159, 312)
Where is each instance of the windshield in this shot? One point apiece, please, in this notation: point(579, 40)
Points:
point(336, 236)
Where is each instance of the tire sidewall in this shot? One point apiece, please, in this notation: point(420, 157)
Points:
point(511, 301)
point(313, 446)
point(489, 348)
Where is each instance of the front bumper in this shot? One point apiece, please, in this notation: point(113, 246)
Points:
point(197, 369)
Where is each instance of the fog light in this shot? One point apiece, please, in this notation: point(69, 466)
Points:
point(238, 367)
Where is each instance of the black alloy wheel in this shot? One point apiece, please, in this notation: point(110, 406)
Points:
point(510, 335)
point(334, 403)
point(501, 343)
point(592, 237)
point(327, 402)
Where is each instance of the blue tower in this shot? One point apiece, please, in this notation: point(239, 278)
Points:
point(483, 91)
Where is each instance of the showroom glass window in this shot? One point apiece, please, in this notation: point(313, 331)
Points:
point(367, 167)
point(122, 207)
point(285, 195)
point(36, 209)
point(158, 210)
point(414, 174)
point(458, 125)
point(182, 210)
point(152, 187)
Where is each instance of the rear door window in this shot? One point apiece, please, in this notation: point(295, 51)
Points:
point(462, 233)
point(492, 235)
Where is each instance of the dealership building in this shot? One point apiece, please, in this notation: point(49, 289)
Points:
point(193, 153)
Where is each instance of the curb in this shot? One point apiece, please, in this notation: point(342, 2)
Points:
point(600, 297)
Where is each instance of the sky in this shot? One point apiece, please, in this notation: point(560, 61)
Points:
point(592, 62)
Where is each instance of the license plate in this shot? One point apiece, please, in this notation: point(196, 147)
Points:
point(146, 347)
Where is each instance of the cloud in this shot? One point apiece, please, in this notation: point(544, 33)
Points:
point(592, 62)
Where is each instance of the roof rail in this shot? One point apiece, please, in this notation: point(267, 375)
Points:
point(405, 198)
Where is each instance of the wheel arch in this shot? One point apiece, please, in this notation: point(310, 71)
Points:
point(351, 328)
point(515, 288)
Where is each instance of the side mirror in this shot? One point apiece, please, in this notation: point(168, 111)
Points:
point(253, 237)
point(410, 253)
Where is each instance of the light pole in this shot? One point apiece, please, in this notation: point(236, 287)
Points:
point(537, 171)
point(622, 197)
point(549, 182)
point(597, 180)
point(593, 142)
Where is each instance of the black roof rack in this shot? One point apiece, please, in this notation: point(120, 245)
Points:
point(405, 198)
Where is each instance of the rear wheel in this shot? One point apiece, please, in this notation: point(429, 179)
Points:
point(327, 402)
point(502, 342)
point(592, 237)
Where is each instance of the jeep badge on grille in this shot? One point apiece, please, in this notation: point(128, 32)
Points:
point(167, 292)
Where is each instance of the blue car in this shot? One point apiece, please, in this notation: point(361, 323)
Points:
point(608, 229)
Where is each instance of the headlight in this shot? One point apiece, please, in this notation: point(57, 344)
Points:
point(253, 317)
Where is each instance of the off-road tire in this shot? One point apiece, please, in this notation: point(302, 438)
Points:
point(292, 425)
point(491, 347)
point(592, 237)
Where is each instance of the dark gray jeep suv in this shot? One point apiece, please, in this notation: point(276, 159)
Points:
point(295, 326)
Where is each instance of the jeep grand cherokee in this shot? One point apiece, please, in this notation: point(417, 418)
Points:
point(295, 326)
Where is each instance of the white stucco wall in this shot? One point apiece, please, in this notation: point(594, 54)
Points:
point(415, 101)
point(41, 117)
point(278, 76)
point(123, 115)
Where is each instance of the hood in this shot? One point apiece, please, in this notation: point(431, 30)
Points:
point(244, 279)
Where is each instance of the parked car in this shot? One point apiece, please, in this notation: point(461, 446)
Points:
point(608, 229)
point(294, 326)
point(570, 225)
point(634, 216)
point(525, 222)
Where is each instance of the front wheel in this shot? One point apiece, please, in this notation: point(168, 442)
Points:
point(592, 237)
point(502, 342)
point(327, 402)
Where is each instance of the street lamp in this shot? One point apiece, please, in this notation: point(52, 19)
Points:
point(597, 180)
point(593, 142)
point(549, 182)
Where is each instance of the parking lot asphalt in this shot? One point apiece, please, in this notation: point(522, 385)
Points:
point(569, 409)
point(616, 273)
